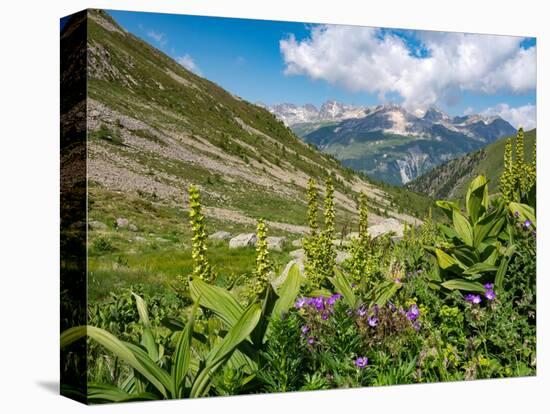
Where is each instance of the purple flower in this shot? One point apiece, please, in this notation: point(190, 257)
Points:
point(361, 362)
point(392, 307)
point(413, 313)
point(332, 300)
point(305, 329)
point(516, 214)
point(490, 294)
point(324, 315)
point(318, 303)
point(488, 286)
point(416, 325)
point(470, 297)
point(310, 341)
point(373, 321)
point(527, 224)
point(361, 311)
point(300, 303)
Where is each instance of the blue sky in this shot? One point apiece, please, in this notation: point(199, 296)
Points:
point(275, 62)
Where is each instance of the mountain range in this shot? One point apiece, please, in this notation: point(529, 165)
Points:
point(155, 127)
point(388, 142)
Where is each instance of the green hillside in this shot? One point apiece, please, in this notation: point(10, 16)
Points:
point(155, 128)
point(450, 180)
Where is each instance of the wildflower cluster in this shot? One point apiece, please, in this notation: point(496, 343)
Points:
point(201, 267)
point(518, 176)
point(489, 295)
point(321, 257)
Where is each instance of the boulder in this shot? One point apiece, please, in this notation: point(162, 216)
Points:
point(352, 235)
point(275, 243)
point(341, 243)
point(243, 240)
point(387, 226)
point(341, 257)
point(122, 223)
point(97, 225)
point(298, 254)
point(220, 235)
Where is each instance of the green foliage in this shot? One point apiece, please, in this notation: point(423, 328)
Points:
point(312, 206)
point(518, 179)
point(183, 375)
point(318, 247)
point(108, 134)
point(201, 267)
point(257, 285)
point(477, 245)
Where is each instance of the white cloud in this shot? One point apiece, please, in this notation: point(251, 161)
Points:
point(188, 63)
point(469, 111)
point(367, 59)
point(521, 116)
point(160, 38)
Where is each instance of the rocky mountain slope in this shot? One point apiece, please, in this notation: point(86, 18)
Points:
point(155, 128)
point(391, 144)
point(450, 180)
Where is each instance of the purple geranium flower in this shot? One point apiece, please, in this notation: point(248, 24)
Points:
point(300, 303)
point(373, 321)
point(310, 340)
point(413, 313)
point(416, 325)
point(361, 362)
point(475, 299)
point(490, 294)
point(488, 286)
point(324, 315)
point(361, 311)
point(305, 329)
point(392, 306)
point(332, 300)
point(527, 224)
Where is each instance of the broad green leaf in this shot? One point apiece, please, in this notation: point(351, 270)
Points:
point(449, 232)
point(147, 338)
point(448, 207)
point(444, 260)
point(477, 198)
point(489, 226)
point(267, 305)
point(288, 291)
point(182, 354)
point(343, 286)
point(501, 272)
point(101, 393)
point(218, 300)
point(385, 291)
point(142, 310)
point(462, 284)
point(480, 268)
point(463, 228)
point(215, 358)
point(114, 345)
point(143, 357)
